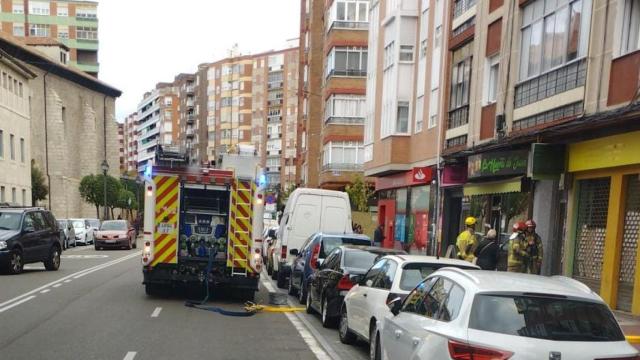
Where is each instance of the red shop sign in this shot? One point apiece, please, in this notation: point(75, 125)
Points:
point(416, 176)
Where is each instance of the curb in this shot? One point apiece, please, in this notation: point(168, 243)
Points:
point(633, 339)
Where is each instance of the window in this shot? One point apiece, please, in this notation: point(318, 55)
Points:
point(347, 61)
point(12, 147)
point(451, 307)
point(2, 194)
point(460, 80)
point(38, 8)
point(39, 30)
point(343, 153)
point(1, 144)
point(63, 10)
point(433, 108)
point(553, 34)
point(18, 29)
point(87, 33)
point(419, 113)
point(415, 299)
point(24, 197)
point(372, 275)
point(388, 274)
point(402, 121)
point(492, 67)
point(63, 32)
point(343, 108)
point(389, 55)
point(14, 197)
point(544, 318)
point(348, 13)
point(22, 150)
point(87, 14)
point(63, 57)
point(18, 7)
point(406, 53)
point(630, 40)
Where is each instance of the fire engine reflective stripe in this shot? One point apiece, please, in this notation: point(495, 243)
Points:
point(240, 226)
point(166, 219)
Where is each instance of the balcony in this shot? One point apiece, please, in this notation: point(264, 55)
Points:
point(458, 117)
point(86, 17)
point(274, 153)
point(275, 102)
point(276, 68)
point(275, 85)
point(342, 167)
point(341, 120)
point(347, 72)
point(189, 89)
point(274, 136)
point(461, 6)
point(274, 118)
point(273, 169)
point(348, 25)
point(191, 118)
point(190, 133)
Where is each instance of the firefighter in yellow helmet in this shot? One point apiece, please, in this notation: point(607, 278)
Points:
point(534, 248)
point(467, 242)
point(518, 256)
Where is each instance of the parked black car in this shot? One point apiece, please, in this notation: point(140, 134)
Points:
point(337, 274)
point(28, 235)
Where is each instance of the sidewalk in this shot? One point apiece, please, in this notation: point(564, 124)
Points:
point(631, 326)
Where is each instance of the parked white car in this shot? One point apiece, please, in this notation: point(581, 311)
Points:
point(80, 229)
point(458, 314)
point(92, 225)
point(391, 277)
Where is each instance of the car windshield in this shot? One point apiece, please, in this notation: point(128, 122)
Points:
point(10, 221)
point(414, 273)
point(548, 318)
point(78, 224)
point(113, 225)
point(358, 259)
point(331, 242)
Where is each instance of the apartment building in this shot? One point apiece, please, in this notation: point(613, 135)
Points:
point(121, 147)
point(72, 23)
point(130, 130)
point(15, 137)
point(403, 112)
point(542, 122)
point(188, 111)
point(333, 70)
point(157, 122)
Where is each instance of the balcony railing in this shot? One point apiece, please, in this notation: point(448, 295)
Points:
point(460, 6)
point(337, 24)
point(458, 117)
point(272, 169)
point(275, 85)
point(274, 118)
point(342, 120)
point(347, 72)
point(189, 89)
point(191, 118)
point(274, 102)
point(342, 167)
point(274, 136)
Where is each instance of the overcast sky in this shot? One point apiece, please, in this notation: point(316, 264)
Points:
point(143, 42)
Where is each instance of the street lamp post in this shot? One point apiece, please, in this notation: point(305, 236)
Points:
point(105, 168)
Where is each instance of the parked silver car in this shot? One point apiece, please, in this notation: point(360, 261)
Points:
point(68, 233)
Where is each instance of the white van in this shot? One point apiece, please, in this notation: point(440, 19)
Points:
point(308, 211)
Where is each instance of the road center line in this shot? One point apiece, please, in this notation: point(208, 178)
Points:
point(130, 355)
point(17, 303)
point(156, 312)
point(95, 268)
point(45, 291)
point(68, 281)
point(57, 285)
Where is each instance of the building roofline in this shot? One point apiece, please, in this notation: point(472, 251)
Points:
point(21, 51)
point(18, 64)
point(252, 56)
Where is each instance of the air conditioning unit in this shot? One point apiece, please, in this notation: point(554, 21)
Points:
point(501, 126)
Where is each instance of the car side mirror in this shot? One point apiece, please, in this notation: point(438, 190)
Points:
point(29, 229)
point(319, 263)
point(293, 252)
point(394, 305)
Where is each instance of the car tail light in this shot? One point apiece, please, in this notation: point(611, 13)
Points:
point(314, 257)
point(462, 351)
point(283, 252)
point(344, 283)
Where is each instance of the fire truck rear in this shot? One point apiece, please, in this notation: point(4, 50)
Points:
point(201, 224)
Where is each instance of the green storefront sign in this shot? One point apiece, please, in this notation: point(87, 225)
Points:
point(547, 161)
point(503, 163)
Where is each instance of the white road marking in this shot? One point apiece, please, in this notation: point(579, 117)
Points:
point(156, 312)
point(84, 256)
point(45, 291)
point(130, 355)
point(57, 285)
point(84, 271)
point(17, 303)
point(68, 281)
point(33, 267)
point(309, 335)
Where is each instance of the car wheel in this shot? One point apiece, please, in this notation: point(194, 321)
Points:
point(301, 294)
point(52, 263)
point(374, 349)
point(16, 262)
point(346, 335)
point(308, 306)
point(327, 321)
point(373, 340)
point(281, 281)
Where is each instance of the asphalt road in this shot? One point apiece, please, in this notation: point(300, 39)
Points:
point(95, 307)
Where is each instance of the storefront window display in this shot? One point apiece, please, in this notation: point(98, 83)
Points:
point(496, 211)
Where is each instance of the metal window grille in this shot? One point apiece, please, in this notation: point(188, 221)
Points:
point(558, 113)
point(551, 83)
point(591, 227)
point(631, 231)
point(458, 117)
point(456, 141)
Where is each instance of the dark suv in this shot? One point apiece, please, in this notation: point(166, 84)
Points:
point(28, 235)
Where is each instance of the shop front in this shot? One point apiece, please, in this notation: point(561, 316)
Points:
point(405, 207)
point(603, 229)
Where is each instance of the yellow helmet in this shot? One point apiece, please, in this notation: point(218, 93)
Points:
point(470, 221)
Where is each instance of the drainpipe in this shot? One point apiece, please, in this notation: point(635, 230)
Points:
point(604, 42)
point(46, 136)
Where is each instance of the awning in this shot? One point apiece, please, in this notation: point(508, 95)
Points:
point(494, 187)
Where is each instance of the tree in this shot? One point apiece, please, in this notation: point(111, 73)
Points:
point(39, 189)
point(89, 192)
point(359, 193)
point(92, 191)
point(127, 200)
